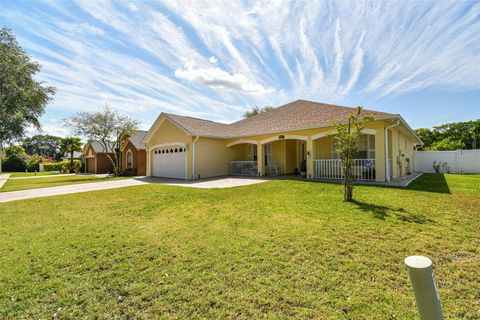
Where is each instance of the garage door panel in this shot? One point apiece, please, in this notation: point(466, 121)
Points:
point(169, 163)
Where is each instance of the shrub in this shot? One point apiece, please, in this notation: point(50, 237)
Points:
point(15, 159)
point(65, 166)
point(50, 166)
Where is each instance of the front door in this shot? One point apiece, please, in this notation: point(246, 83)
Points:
point(302, 152)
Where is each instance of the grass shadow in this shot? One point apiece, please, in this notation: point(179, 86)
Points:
point(382, 212)
point(430, 183)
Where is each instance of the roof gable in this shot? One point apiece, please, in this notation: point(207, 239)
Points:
point(136, 139)
point(97, 147)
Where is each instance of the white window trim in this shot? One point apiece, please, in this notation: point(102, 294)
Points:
point(129, 152)
point(368, 150)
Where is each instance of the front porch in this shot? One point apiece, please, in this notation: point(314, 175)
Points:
point(309, 157)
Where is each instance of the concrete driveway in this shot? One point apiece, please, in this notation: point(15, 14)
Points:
point(223, 182)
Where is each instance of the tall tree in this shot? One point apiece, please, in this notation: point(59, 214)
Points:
point(43, 145)
point(346, 144)
point(107, 127)
point(451, 136)
point(70, 145)
point(447, 144)
point(22, 98)
point(257, 110)
point(15, 158)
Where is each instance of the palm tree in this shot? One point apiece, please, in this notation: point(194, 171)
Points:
point(71, 144)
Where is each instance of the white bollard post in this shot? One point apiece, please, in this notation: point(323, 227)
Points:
point(424, 287)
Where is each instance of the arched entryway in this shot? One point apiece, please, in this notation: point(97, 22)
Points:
point(243, 159)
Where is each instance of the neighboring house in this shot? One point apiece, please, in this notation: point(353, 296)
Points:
point(133, 154)
point(77, 155)
point(277, 142)
point(96, 159)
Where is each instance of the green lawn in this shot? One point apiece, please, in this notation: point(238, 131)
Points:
point(22, 184)
point(31, 174)
point(281, 249)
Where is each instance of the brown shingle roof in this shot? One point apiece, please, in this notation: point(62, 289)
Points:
point(136, 139)
point(297, 115)
point(200, 127)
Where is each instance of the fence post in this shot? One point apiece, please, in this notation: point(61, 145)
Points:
point(424, 287)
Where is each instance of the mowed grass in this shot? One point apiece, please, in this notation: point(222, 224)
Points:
point(281, 249)
point(23, 184)
point(31, 174)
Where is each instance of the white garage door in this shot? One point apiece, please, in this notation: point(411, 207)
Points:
point(169, 162)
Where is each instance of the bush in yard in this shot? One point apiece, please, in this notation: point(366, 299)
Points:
point(66, 167)
point(50, 166)
point(15, 159)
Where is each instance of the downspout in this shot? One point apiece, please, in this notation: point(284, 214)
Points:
point(387, 167)
point(193, 156)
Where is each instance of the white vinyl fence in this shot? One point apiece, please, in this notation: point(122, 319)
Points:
point(459, 161)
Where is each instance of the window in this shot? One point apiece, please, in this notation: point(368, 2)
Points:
point(334, 151)
point(252, 152)
point(268, 154)
point(129, 159)
point(366, 147)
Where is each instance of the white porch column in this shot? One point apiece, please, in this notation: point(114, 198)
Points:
point(310, 153)
point(260, 159)
point(380, 155)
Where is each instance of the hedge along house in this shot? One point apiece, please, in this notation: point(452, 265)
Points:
point(133, 154)
point(278, 142)
point(96, 159)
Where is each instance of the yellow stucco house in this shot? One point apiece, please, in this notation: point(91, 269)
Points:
point(285, 140)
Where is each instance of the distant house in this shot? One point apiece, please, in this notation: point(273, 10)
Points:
point(294, 137)
point(133, 154)
point(96, 159)
point(77, 155)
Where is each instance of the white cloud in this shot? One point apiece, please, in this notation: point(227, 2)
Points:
point(218, 78)
point(53, 129)
point(132, 7)
point(165, 56)
point(81, 28)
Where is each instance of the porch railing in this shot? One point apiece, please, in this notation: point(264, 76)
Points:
point(242, 168)
point(363, 169)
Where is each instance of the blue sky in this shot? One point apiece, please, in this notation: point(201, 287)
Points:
point(216, 59)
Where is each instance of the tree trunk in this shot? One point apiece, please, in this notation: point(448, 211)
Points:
point(72, 170)
point(114, 162)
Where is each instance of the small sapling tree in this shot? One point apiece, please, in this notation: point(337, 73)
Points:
point(346, 144)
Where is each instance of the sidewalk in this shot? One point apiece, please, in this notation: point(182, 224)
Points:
point(67, 189)
point(3, 179)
